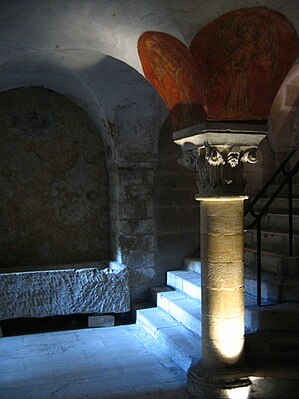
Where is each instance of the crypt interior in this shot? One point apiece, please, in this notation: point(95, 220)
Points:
point(149, 201)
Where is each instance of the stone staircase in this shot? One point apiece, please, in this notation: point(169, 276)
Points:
point(176, 321)
point(280, 272)
point(272, 332)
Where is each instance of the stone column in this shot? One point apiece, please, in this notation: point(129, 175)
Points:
point(222, 367)
point(222, 281)
point(218, 155)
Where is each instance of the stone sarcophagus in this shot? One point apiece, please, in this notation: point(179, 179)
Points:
point(67, 289)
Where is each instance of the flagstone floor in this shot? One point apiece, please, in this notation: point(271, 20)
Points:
point(117, 362)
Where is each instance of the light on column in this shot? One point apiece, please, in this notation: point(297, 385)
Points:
point(238, 393)
point(230, 344)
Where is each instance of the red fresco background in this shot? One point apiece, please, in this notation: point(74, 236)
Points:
point(168, 64)
point(233, 70)
point(245, 53)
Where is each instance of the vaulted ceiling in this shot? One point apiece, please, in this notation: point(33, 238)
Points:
point(87, 50)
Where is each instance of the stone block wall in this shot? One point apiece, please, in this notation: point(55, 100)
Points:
point(49, 143)
point(256, 175)
point(176, 211)
point(54, 205)
point(158, 216)
point(136, 227)
point(177, 222)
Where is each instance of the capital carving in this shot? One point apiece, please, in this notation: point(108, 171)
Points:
point(219, 170)
point(219, 158)
point(213, 155)
point(250, 156)
point(189, 159)
point(233, 158)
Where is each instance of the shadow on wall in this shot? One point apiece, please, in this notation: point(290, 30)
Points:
point(175, 208)
point(256, 175)
point(284, 117)
point(54, 183)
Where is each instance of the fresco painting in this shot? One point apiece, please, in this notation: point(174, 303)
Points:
point(243, 58)
point(232, 71)
point(167, 63)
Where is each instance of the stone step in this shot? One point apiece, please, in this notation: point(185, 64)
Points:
point(135, 306)
point(187, 310)
point(278, 205)
point(273, 353)
point(182, 308)
point(275, 289)
point(284, 192)
point(283, 316)
point(192, 265)
point(270, 286)
point(280, 221)
point(269, 353)
point(290, 289)
point(277, 221)
point(272, 262)
point(186, 281)
point(156, 290)
point(272, 240)
point(182, 345)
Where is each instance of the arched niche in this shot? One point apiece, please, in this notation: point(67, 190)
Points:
point(54, 182)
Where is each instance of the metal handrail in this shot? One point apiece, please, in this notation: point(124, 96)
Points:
point(264, 211)
point(270, 181)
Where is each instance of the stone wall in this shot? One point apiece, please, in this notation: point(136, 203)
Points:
point(158, 217)
point(137, 239)
point(256, 175)
point(56, 191)
point(54, 205)
point(176, 211)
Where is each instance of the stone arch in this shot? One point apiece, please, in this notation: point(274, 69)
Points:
point(54, 197)
point(46, 71)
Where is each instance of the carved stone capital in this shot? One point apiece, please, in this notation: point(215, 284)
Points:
point(218, 155)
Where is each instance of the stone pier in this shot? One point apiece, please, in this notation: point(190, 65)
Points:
point(218, 152)
point(222, 281)
point(222, 367)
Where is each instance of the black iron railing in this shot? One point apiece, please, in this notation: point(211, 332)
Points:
point(288, 172)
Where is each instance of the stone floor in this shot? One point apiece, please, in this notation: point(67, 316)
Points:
point(118, 362)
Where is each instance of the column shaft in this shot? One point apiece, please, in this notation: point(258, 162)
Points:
point(222, 282)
